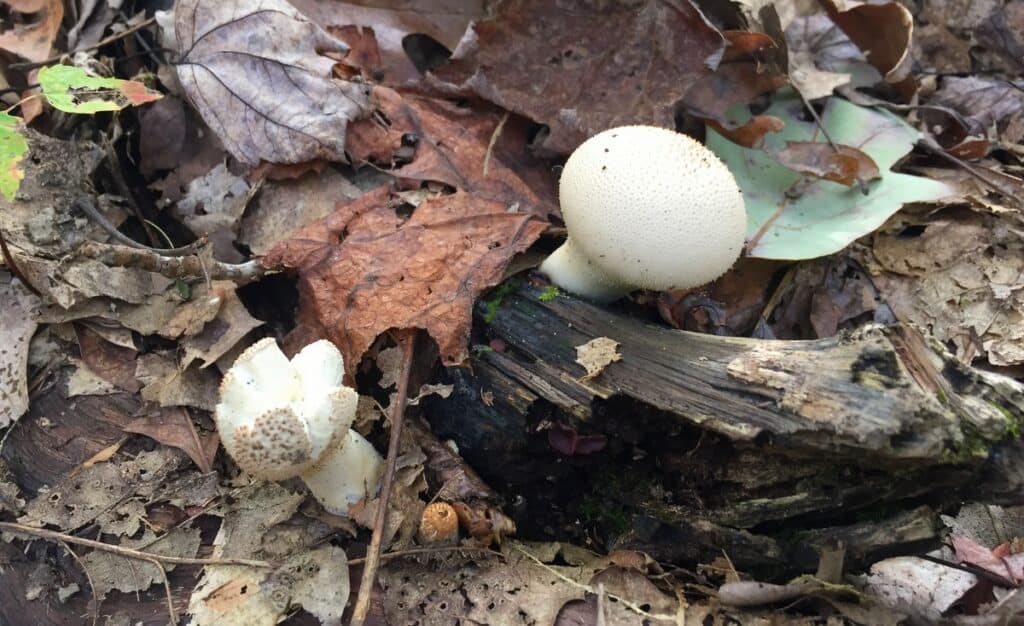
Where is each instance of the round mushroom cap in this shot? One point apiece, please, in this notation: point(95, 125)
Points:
point(652, 207)
point(277, 417)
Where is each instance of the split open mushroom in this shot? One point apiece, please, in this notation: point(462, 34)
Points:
point(279, 419)
point(648, 208)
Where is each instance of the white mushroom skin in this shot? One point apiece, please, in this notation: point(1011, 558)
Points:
point(279, 419)
point(646, 208)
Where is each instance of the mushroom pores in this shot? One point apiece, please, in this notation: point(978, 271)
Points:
point(652, 208)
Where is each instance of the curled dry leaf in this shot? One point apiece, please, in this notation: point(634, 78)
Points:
point(364, 269)
point(586, 67)
point(256, 71)
point(884, 32)
point(33, 38)
point(846, 165)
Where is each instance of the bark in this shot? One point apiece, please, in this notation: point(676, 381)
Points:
point(767, 449)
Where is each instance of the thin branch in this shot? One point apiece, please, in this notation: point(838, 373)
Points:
point(94, 610)
point(171, 267)
point(387, 556)
point(407, 339)
point(95, 46)
point(86, 206)
point(128, 553)
point(494, 140)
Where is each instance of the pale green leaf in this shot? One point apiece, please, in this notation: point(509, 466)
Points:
point(12, 148)
point(790, 216)
point(73, 90)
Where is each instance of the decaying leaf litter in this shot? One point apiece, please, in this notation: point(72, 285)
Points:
point(182, 179)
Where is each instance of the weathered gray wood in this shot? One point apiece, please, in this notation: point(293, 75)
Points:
point(764, 449)
point(880, 394)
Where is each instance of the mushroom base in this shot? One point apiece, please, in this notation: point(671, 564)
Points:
point(570, 269)
point(348, 473)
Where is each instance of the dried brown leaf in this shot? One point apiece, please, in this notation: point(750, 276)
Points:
point(468, 148)
point(174, 427)
point(256, 71)
point(365, 269)
point(846, 166)
point(884, 32)
point(33, 37)
point(390, 23)
point(581, 67)
point(114, 364)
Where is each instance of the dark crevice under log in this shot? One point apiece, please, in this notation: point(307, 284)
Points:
point(765, 449)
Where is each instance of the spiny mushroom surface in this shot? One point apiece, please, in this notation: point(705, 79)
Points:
point(645, 207)
point(279, 419)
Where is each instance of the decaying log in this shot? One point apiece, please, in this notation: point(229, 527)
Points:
point(767, 448)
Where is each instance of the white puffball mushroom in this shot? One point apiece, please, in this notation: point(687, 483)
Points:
point(279, 419)
point(646, 208)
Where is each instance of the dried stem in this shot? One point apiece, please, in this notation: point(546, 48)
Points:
point(407, 339)
point(128, 553)
point(98, 44)
point(171, 267)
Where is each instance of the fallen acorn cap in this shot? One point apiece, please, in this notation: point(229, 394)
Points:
point(645, 207)
point(279, 419)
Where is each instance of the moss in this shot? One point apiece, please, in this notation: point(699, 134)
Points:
point(548, 294)
point(493, 301)
point(608, 515)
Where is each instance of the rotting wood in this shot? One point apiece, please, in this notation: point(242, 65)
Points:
point(763, 449)
point(878, 394)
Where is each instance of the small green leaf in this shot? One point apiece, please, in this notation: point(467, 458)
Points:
point(73, 90)
point(12, 148)
point(790, 216)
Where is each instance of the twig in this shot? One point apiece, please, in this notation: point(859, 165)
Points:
point(632, 606)
point(95, 609)
point(861, 183)
point(494, 140)
point(407, 339)
point(53, 535)
point(933, 146)
point(98, 44)
point(171, 267)
point(86, 206)
point(980, 572)
point(414, 551)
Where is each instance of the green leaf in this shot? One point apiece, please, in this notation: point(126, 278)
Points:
point(73, 90)
point(12, 148)
point(790, 216)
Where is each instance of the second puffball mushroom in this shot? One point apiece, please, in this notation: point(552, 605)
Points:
point(646, 208)
point(279, 419)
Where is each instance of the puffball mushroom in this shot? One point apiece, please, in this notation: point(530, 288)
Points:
point(279, 419)
point(645, 207)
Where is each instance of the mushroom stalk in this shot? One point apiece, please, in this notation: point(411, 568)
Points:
point(571, 269)
point(346, 474)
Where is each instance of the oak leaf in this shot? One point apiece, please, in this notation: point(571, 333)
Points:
point(366, 269)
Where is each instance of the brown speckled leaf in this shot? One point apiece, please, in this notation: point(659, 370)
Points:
point(364, 269)
point(256, 71)
point(449, 144)
point(583, 66)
